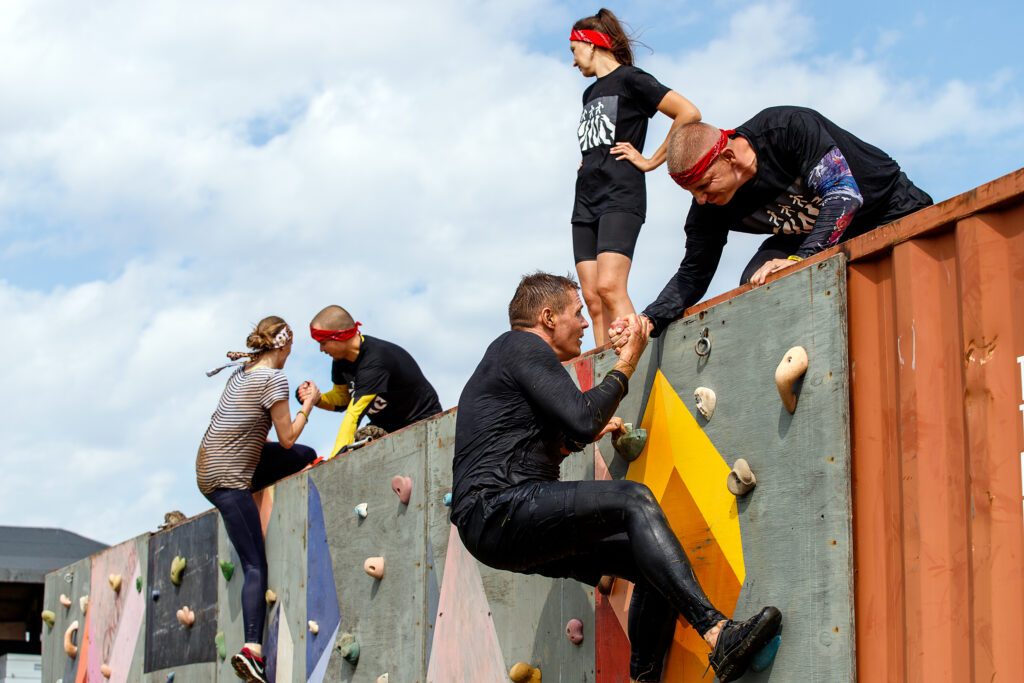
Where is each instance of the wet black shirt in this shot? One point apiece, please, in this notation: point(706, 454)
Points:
point(616, 108)
point(789, 142)
point(517, 412)
point(402, 395)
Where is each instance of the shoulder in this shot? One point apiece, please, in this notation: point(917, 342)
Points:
point(775, 118)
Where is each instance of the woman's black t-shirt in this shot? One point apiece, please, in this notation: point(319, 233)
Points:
point(616, 108)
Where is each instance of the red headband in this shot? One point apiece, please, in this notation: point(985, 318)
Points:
point(592, 37)
point(694, 173)
point(334, 335)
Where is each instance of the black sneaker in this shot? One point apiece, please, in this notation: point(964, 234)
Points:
point(249, 667)
point(738, 642)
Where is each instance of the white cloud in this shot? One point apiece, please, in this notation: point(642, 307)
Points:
point(411, 162)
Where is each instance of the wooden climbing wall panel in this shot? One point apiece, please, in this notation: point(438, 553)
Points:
point(74, 582)
point(788, 542)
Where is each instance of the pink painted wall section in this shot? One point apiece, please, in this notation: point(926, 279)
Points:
point(116, 618)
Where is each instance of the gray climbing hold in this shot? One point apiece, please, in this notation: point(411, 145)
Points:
point(741, 480)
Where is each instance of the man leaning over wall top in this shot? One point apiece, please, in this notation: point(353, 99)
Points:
point(788, 172)
point(372, 378)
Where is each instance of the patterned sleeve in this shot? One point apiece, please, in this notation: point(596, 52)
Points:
point(276, 389)
point(833, 181)
point(646, 91)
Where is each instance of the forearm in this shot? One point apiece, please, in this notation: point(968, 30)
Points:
point(336, 399)
point(661, 154)
point(833, 181)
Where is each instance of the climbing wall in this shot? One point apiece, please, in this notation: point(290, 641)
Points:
point(436, 615)
point(788, 542)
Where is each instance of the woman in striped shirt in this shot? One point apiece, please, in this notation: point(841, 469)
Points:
point(235, 459)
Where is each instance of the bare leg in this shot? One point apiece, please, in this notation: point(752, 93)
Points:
point(612, 276)
point(587, 271)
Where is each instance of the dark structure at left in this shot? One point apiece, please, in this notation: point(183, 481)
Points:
point(27, 555)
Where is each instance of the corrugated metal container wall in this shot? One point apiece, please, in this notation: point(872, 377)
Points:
point(936, 329)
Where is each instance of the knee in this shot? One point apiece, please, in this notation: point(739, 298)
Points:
point(610, 288)
point(591, 297)
point(639, 497)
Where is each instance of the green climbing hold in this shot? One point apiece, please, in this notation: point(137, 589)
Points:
point(222, 650)
point(630, 444)
point(227, 569)
point(138, 584)
point(349, 648)
point(177, 569)
point(48, 617)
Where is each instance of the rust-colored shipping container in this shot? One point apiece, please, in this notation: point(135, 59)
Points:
point(936, 357)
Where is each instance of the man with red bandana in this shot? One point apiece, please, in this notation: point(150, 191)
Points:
point(788, 172)
point(372, 378)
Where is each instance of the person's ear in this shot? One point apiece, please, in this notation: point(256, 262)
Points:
point(547, 317)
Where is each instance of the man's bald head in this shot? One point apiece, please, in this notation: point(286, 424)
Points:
point(689, 143)
point(333, 318)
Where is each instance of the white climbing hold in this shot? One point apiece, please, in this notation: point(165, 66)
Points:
point(115, 583)
point(69, 644)
point(270, 596)
point(383, 678)
point(741, 480)
point(83, 603)
point(706, 401)
point(792, 368)
point(65, 600)
point(361, 510)
point(105, 670)
point(314, 627)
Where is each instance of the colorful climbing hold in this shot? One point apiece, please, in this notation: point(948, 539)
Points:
point(313, 626)
point(70, 649)
point(402, 486)
point(630, 444)
point(170, 677)
point(792, 368)
point(349, 648)
point(177, 569)
point(574, 631)
point(766, 655)
point(741, 480)
point(48, 617)
point(65, 600)
point(374, 566)
point(138, 584)
point(706, 401)
point(156, 594)
point(270, 596)
point(83, 603)
point(186, 617)
point(447, 500)
point(227, 569)
point(222, 650)
point(115, 582)
point(361, 510)
point(524, 673)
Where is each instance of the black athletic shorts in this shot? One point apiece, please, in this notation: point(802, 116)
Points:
point(615, 232)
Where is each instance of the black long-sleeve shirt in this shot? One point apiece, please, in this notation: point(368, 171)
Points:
point(518, 411)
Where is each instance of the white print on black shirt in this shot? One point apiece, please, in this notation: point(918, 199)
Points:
point(379, 404)
point(597, 122)
point(793, 212)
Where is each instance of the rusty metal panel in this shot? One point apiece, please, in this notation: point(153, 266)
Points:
point(937, 365)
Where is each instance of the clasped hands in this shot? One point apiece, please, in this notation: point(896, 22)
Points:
point(308, 390)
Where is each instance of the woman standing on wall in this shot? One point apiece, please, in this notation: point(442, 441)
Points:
point(235, 459)
point(611, 194)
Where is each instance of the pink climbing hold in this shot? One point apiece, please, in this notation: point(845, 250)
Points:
point(403, 487)
point(574, 631)
point(374, 566)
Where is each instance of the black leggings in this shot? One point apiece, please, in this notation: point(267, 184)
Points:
point(242, 522)
point(586, 529)
point(616, 232)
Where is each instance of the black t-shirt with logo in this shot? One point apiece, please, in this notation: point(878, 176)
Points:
point(616, 108)
point(387, 372)
point(788, 142)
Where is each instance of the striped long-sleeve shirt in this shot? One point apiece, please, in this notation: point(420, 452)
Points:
point(231, 447)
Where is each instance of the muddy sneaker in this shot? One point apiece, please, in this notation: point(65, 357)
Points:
point(739, 641)
point(249, 667)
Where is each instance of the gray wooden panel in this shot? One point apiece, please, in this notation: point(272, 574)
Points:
point(229, 603)
point(286, 568)
point(73, 581)
point(385, 616)
point(205, 672)
point(796, 525)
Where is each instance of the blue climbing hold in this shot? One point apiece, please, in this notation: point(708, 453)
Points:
point(764, 658)
point(156, 594)
point(447, 499)
point(170, 677)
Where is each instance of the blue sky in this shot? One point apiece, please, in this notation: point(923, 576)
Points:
point(170, 175)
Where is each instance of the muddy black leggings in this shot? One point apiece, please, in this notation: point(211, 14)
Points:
point(586, 529)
